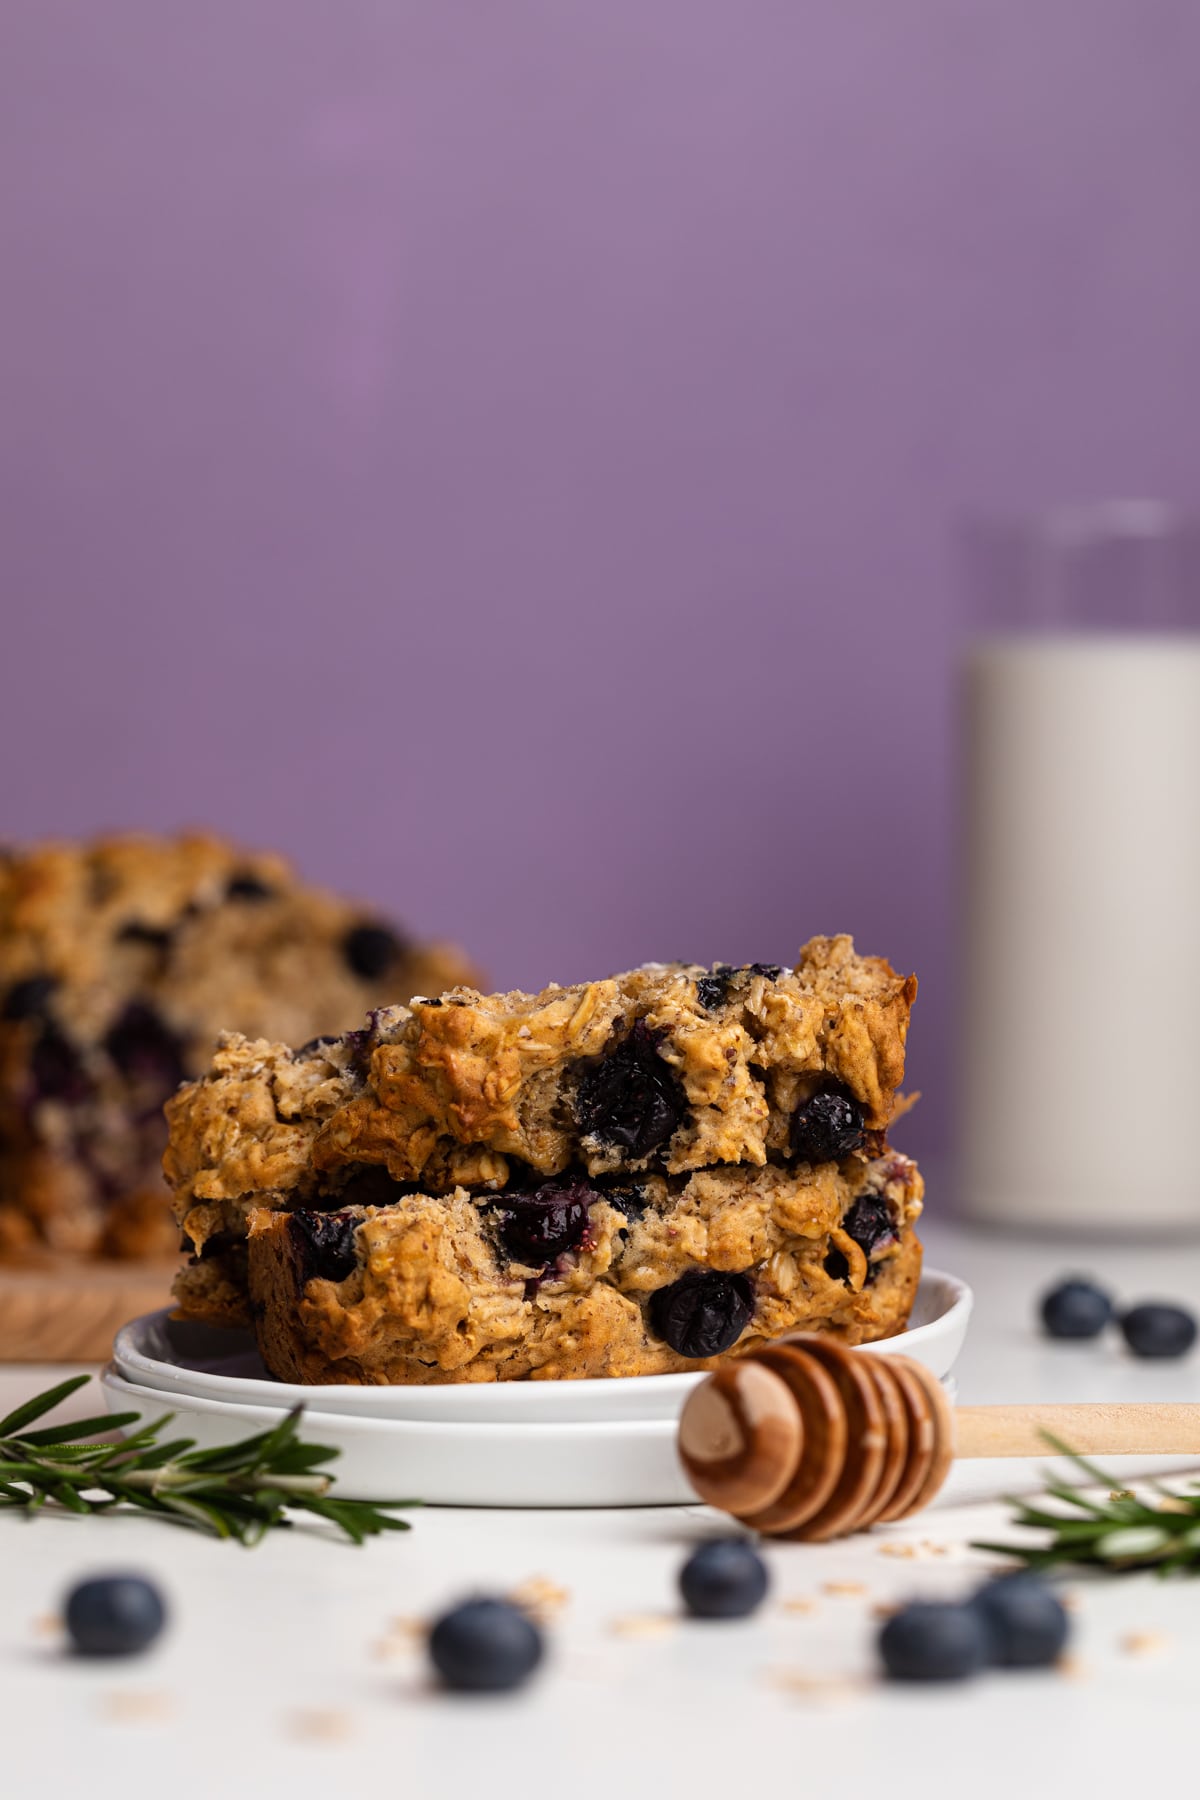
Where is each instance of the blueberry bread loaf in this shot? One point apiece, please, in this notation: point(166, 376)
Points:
point(762, 1092)
point(120, 961)
point(585, 1276)
point(671, 1067)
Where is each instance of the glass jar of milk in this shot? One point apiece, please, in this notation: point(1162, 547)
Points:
point(1081, 968)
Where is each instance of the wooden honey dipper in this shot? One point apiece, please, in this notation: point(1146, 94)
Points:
point(804, 1438)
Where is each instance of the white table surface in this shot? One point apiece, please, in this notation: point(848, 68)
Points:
point(284, 1671)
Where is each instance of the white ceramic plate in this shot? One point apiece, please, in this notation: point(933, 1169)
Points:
point(541, 1443)
point(203, 1363)
point(609, 1462)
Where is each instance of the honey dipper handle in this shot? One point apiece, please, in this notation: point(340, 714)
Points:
point(1138, 1429)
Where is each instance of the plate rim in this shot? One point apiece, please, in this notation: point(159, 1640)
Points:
point(430, 1430)
point(521, 1400)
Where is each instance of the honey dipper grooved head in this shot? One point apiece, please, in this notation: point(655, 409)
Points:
point(740, 1437)
point(805, 1438)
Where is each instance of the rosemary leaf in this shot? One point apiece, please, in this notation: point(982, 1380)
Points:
point(241, 1490)
point(40, 1405)
point(1118, 1534)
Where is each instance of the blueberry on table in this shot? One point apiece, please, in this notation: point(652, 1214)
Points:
point(726, 1579)
point(1027, 1622)
point(114, 1615)
point(1076, 1309)
point(827, 1126)
point(935, 1641)
point(1156, 1329)
point(485, 1646)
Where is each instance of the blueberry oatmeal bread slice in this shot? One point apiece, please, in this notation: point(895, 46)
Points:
point(120, 961)
point(670, 1067)
point(585, 1276)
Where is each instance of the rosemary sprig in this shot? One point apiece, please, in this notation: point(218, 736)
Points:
point(1117, 1533)
point(239, 1490)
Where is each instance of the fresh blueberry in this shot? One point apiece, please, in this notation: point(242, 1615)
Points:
point(1076, 1309)
point(1027, 1621)
point(538, 1227)
point(768, 971)
point(325, 1243)
point(935, 1641)
point(702, 1313)
point(827, 1126)
point(370, 950)
point(28, 999)
point(630, 1098)
point(317, 1043)
point(144, 1047)
point(723, 1580)
point(485, 1646)
point(1157, 1329)
point(246, 886)
point(114, 1615)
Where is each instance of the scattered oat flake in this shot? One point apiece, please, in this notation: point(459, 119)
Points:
point(885, 1609)
point(799, 1606)
point(900, 1548)
point(933, 1549)
point(541, 1597)
point(1142, 1643)
point(402, 1626)
point(321, 1725)
point(844, 1587)
point(1174, 1503)
point(644, 1625)
point(1069, 1600)
point(1072, 1668)
point(1121, 1494)
point(46, 1625)
point(822, 1690)
point(137, 1706)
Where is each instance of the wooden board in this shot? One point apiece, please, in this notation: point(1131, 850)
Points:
point(62, 1310)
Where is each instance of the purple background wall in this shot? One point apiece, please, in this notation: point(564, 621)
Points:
point(505, 453)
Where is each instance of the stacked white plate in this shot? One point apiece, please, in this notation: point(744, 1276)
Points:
point(516, 1443)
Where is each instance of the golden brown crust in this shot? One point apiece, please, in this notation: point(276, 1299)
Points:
point(446, 1091)
point(433, 1297)
point(154, 923)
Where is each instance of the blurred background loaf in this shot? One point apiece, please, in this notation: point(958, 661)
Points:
point(120, 961)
